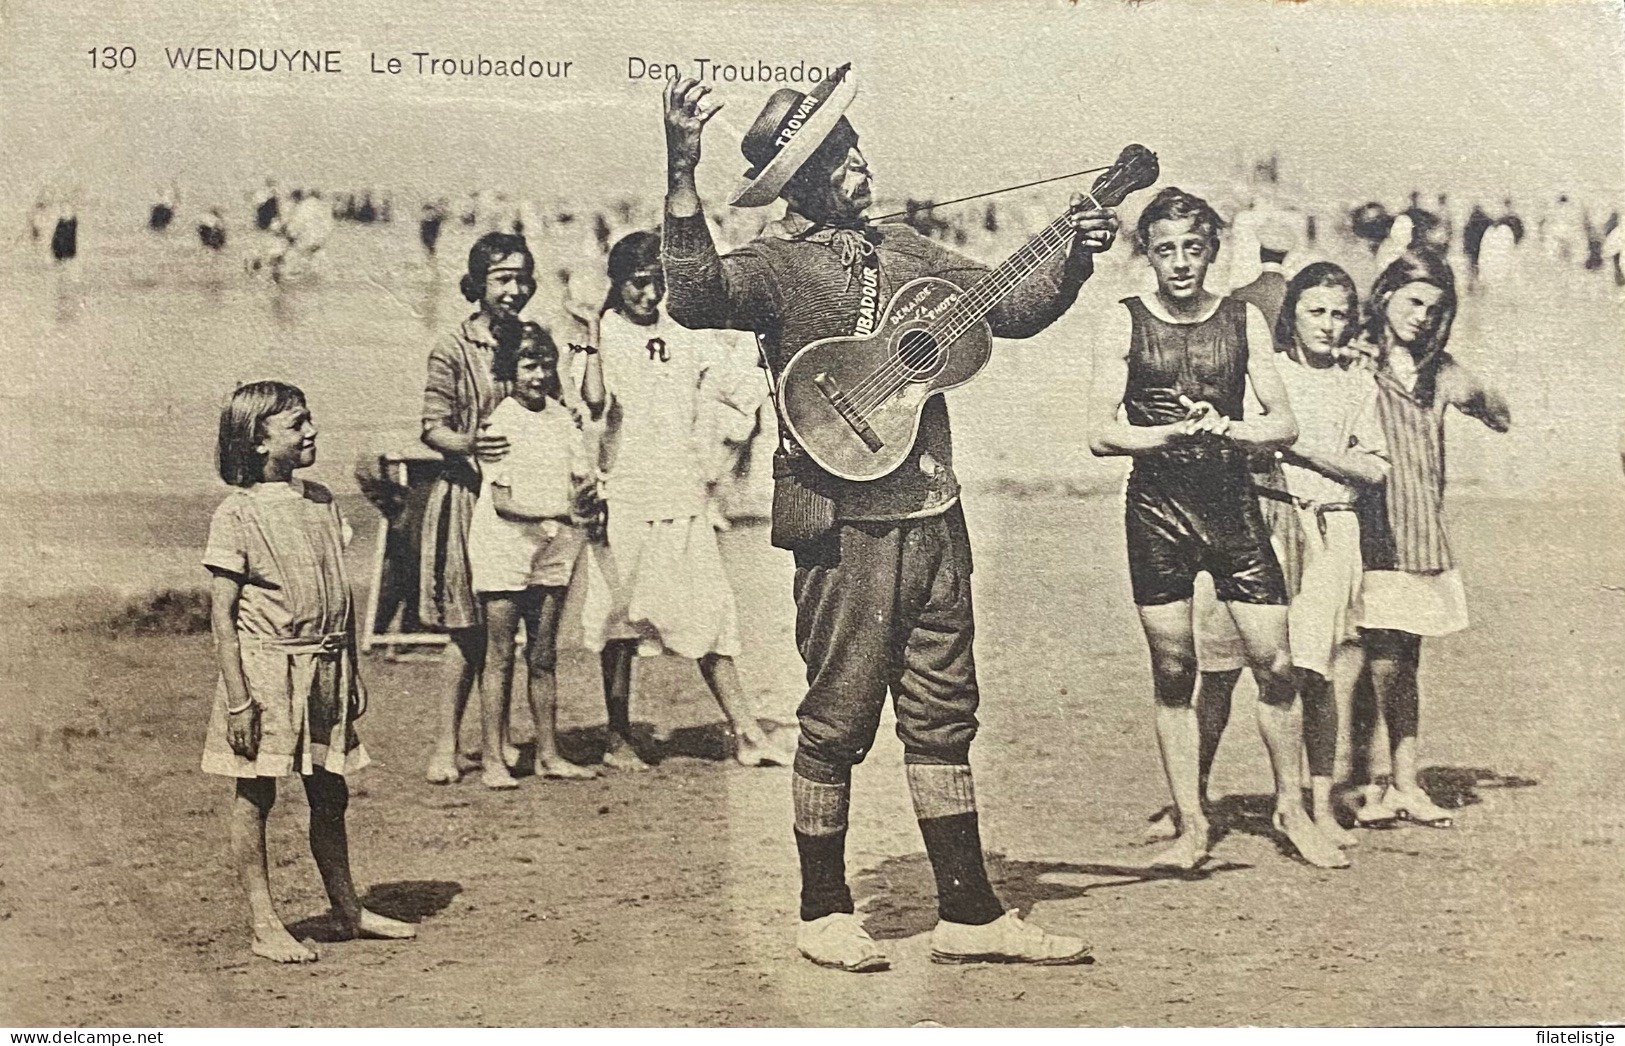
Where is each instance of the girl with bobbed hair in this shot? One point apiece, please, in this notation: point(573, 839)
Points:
point(660, 587)
point(1341, 452)
point(461, 390)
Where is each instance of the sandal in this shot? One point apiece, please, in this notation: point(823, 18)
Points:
point(1417, 808)
point(1377, 811)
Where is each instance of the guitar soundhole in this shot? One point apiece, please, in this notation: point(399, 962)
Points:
point(919, 356)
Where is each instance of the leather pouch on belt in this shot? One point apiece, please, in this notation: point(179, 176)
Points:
point(801, 515)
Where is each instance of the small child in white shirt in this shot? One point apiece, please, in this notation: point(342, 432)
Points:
point(523, 547)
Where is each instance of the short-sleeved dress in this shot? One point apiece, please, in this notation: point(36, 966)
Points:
point(460, 393)
point(661, 580)
point(294, 623)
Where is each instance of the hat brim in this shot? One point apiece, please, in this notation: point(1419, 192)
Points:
point(764, 188)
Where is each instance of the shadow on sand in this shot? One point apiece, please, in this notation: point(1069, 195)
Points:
point(712, 742)
point(1450, 787)
point(898, 897)
point(409, 901)
point(1454, 787)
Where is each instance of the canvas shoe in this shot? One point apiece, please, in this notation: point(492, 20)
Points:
point(840, 942)
point(1006, 939)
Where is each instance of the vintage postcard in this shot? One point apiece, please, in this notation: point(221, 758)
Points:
point(742, 513)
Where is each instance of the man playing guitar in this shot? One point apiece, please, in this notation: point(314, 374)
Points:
point(883, 598)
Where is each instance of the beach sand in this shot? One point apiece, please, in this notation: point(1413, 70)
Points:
point(669, 898)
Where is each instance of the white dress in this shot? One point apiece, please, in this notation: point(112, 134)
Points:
point(660, 581)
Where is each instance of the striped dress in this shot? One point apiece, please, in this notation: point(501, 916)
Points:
point(1411, 583)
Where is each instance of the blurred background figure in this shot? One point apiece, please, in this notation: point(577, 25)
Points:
point(1612, 245)
point(430, 219)
point(1498, 248)
point(1562, 234)
point(1371, 224)
point(65, 233)
point(267, 206)
point(211, 230)
point(162, 213)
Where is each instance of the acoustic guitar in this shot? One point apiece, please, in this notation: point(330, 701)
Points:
point(854, 403)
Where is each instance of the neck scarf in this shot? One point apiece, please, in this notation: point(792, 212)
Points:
point(853, 241)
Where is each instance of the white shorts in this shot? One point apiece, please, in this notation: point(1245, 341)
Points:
point(661, 583)
point(511, 557)
point(1421, 604)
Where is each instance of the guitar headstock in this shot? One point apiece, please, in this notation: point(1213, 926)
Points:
point(1135, 168)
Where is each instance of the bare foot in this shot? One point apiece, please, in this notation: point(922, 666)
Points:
point(277, 944)
point(498, 780)
point(1163, 826)
point(562, 769)
point(1335, 833)
point(756, 749)
point(1308, 840)
point(1187, 853)
point(622, 756)
point(442, 769)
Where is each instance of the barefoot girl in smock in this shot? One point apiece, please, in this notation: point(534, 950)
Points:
point(284, 632)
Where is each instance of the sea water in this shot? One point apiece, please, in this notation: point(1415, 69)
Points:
point(115, 366)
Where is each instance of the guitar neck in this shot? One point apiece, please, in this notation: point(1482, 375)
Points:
point(984, 295)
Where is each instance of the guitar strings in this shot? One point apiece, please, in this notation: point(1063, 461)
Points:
point(932, 205)
point(999, 282)
point(895, 373)
point(993, 287)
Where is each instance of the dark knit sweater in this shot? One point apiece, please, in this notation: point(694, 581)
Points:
point(791, 292)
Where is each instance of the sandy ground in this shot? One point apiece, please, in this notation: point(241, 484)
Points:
point(668, 898)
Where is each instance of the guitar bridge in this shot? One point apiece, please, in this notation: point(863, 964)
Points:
point(848, 413)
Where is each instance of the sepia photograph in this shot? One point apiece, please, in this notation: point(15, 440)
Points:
point(774, 514)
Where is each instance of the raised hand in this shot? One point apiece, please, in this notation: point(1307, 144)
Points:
point(687, 112)
point(1094, 228)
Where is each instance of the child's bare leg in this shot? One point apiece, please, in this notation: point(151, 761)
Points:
point(1320, 729)
point(463, 657)
point(501, 625)
point(752, 747)
point(1347, 664)
point(543, 606)
point(329, 798)
point(616, 662)
point(249, 809)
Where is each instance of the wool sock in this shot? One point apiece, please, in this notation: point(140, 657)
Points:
point(945, 803)
point(821, 816)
